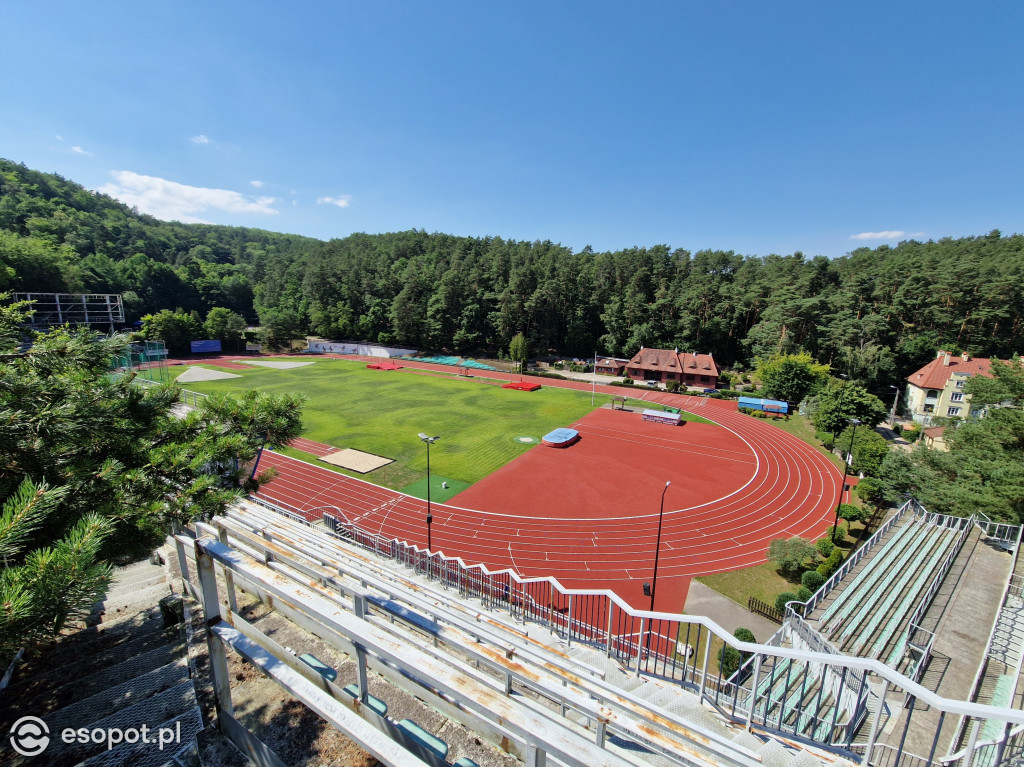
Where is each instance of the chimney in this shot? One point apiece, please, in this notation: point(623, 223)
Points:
point(945, 361)
point(965, 357)
point(938, 354)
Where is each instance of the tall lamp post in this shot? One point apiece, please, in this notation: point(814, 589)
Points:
point(835, 527)
point(895, 400)
point(430, 441)
point(649, 588)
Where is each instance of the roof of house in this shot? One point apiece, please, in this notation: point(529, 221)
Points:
point(611, 362)
point(934, 432)
point(675, 362)
point(935, 374)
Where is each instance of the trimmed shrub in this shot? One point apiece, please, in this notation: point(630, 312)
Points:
point(824, 546)
point(744, 634)
point(783, 598)
point(812, 580)
point(548, 374)
point(830, 565)
point(803, 593)
point(728, 660)
point(851, 513)
point(672, 386)
point(834, 534)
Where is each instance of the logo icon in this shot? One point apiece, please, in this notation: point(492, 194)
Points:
point(30, 736)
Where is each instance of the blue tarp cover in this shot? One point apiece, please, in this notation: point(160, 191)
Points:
point(770, 405)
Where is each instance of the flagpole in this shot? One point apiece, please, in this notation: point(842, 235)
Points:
point(593, 378)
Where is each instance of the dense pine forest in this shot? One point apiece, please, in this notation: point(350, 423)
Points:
point(875, 313)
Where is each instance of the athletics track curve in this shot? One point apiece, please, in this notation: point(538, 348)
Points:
point(793, 491)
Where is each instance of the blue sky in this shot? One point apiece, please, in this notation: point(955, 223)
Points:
point(758, 127)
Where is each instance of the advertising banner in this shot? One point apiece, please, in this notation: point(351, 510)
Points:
point(205, 347)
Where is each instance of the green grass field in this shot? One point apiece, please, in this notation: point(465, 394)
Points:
point(382, 412)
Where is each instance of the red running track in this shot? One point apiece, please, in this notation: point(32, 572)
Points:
point(782, 487)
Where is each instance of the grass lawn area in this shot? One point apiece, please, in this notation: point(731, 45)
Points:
point(382, 412)
point(761, 582)
point(801, 427)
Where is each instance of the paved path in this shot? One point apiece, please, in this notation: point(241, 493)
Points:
point(702, 600)
point(960, 639)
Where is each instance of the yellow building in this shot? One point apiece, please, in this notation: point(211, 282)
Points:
point(937, 389)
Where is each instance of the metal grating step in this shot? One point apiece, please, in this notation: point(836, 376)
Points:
point(185, 727)
point(111, 700)
point(152, 712)
point(90, 640)
point(76, 689)
point(81, 665)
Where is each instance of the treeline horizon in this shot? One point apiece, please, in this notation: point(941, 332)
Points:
point(875, 314)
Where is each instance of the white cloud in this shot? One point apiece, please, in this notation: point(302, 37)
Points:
point(888, 235)
point(256, 184)
point(79, 150)
point(200, 139)
point(341, 202)
point(171, 201)
point(60, 137)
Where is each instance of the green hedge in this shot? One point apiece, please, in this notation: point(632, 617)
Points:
point(812, 580)
point(783, 598)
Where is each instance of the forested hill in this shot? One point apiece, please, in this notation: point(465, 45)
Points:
point(875, 313)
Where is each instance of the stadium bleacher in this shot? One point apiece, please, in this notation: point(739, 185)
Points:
point(580, 680)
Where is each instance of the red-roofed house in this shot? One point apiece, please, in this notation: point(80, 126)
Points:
point(610, 366)
point(937, 389)
point(665, 365)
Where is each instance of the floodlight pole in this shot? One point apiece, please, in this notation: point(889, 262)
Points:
point(895, 400)
point(657, 546)
point(430, 517)
point(842, 488)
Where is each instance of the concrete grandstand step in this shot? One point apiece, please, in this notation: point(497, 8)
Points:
point(113, 699)
point(133, 601)
point(660, 695)
point(774, 754)
point(138, 582)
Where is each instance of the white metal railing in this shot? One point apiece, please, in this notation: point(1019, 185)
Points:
point(640, 639)
point(340, 614)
